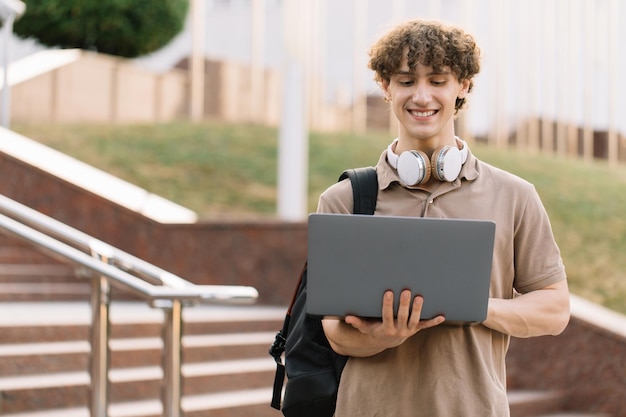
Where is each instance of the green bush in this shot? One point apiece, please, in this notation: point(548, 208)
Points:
point(127, 28)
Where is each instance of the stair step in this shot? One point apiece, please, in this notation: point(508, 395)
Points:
point(35, 358)
point(28, 282)
point(13, 290)
point(38, 270)
point(13, 252)
point(129, 384)
point(226, 371)
point(527, 403)
point(250, 402)
point(130, 312)
point(31, 322)
point(229, 404)
point(572, 414)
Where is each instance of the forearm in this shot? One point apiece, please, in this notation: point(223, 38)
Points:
point(537, 313)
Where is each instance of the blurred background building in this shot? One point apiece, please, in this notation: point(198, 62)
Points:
point(549, 78)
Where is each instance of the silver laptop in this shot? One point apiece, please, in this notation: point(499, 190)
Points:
point(354, 259)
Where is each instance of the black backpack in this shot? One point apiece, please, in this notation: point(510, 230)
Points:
point(313, 368)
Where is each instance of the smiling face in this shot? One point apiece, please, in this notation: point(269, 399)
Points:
point(424, 102)
point(425, 69)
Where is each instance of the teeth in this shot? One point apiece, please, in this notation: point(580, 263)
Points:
point(423, 113)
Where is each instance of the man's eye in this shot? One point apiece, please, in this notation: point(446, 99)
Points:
point(438, 82)
point(405, 83)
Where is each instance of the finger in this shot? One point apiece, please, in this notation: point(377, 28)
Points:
point(388, 318)
point(435, 321)
point(404, 307)
point(418, 303)
point(352, 320)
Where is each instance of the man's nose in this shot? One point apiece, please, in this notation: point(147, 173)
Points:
point(421, 95)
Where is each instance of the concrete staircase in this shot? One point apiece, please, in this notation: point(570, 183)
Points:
point(227, 372)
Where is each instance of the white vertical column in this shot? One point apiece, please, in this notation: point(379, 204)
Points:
point(463, 122)
point(563, 79)
point(359, 94)
point(321, 46)
point(293, 135)
point(196, 67)
point(549, 79)
point(588, 79)
point(534, 69)
point(7, 30)
point(613, 81)
point(499, 12)
point(312, 62)
point(573, 96)
point(257, 61)
point(522, 111)
point(398, 11)
point(11, 13)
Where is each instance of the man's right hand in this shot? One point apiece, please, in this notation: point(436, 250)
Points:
point(363, 337)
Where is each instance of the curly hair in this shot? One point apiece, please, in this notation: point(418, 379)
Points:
point(430, 43)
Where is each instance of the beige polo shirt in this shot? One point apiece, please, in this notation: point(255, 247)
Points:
point(448, 370)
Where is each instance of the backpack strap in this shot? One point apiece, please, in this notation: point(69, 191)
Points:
point(364, 188)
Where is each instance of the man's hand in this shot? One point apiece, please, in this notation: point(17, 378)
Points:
point(374, 336)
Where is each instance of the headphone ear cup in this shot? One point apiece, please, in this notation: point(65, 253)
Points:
point(446, 163)
point(414, 167)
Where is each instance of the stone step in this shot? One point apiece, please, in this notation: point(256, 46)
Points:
point(13, 251)
point(71, 389)
point(37, 322)
point(45, 281)
point(45, 367)
point(45, 291)
point(34, 358)
point(535, 403)
point(572, 414)
point(236, 403)
point(40, 272)
point(526, 403)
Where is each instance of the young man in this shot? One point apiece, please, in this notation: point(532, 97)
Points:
point(405, 366)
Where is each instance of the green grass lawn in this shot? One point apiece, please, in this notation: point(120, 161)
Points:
point(221, 170)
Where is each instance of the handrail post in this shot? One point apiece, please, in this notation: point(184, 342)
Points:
point(172, 358)
point(100, 332)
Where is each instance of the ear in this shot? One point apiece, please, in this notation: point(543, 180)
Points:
point(465, 86)
point(384, 85)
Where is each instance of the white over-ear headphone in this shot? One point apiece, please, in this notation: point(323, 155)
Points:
point(414, 167)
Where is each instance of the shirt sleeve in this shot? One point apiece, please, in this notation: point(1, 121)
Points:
point(538, 260)
point(336, 199)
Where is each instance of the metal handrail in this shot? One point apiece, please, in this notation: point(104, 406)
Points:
point(85, 242)
point(107, 266)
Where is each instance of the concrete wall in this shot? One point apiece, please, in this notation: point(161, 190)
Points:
point(73, 86)
point(101, 89)
point(587, 362)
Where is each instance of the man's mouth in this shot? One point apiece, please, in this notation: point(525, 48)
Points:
point(422, 113)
